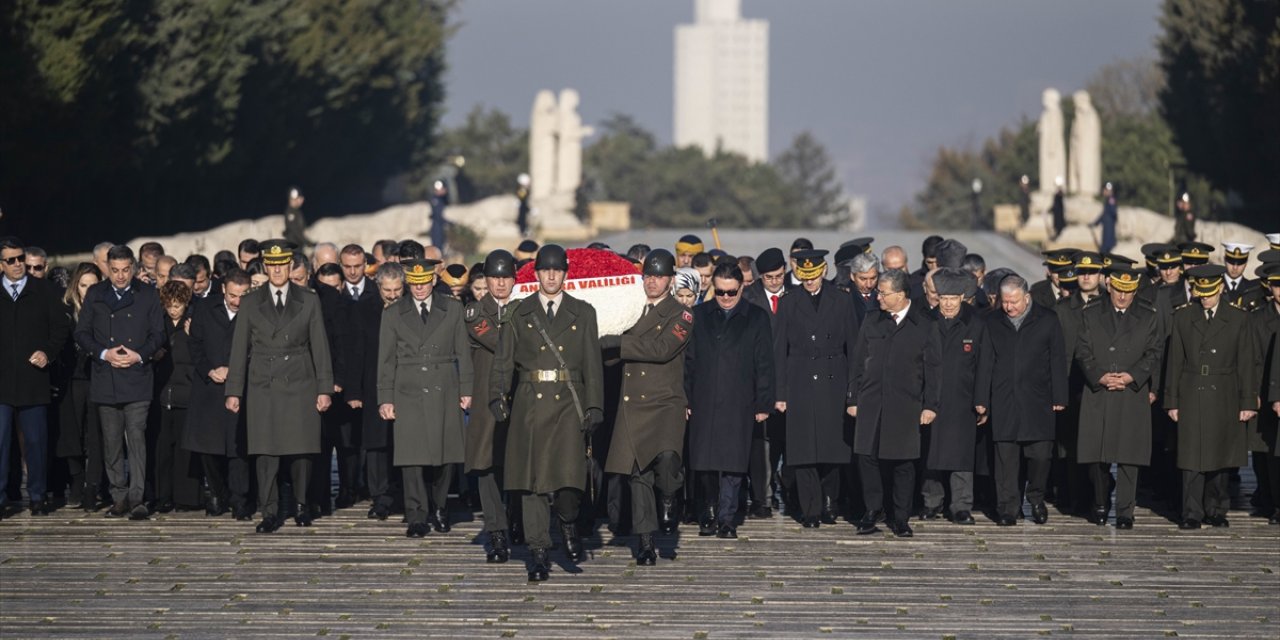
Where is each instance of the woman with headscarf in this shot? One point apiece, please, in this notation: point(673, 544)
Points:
point(687, 286)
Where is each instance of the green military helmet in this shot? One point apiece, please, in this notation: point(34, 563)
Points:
point(500, 264)
point(551, 256)
point(659, 262)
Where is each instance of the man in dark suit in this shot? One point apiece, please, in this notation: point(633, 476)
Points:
point(864, 272)
point(122, 324)
point(1022, 381)
point(33, 329)
point(212, 431)
point(362, 390)
point(286, 384)
point(769, 438)
point(728, 380)
point(815, 334)
point(892, 391)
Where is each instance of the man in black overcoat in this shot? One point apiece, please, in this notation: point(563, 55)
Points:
point(814, 337)
point(769, 438)
point(954, 438)
point(212, 431)
point(728, 378)
point(1022, 381)
point(893, 390)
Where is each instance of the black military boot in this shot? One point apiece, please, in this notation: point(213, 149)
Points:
point(648, 553)
point(707, 523)
point(498, 549)
point(539, 566)
point(668, 519)
point(572, 543)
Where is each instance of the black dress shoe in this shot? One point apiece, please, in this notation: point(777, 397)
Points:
point(417, 530)
point(1039, 513)
point(41, 508)
point(118, 510)
point(707, 523)
point(139, 512)
point(243, 514)
point(498, 550)
point(1098, 516)
point(215, 507)
point(727, 532)
point(647, 555)
point(379, 512)
point(165, 506)
point(931, 514)
point(572, 543)
point(760, 512)
point(344, 501)
point(1275, 517)
point(868, 522)
point(668, 515)
point(1124, 523)
point(1189, 524)
point(811, 523)
point(964, 517)
point(516, 536)
point(1217, 521)
point(828, 515)
point(902, 530)
point(303, 519)
point(539, 566)
point(440, 520)
point(269, 524)
point(1006, 521)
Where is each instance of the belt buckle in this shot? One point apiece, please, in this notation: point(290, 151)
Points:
point(1204, 369)
point(546, 375)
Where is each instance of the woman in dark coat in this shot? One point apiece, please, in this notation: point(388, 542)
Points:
point(79, 435)
point(177, 487)
point(728, 379)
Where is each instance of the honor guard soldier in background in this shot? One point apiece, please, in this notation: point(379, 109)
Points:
point(1118, 353)
point(551, 345)
point(648, 434)
point(1184, 221)
point(280, 366)
point(815, 332)
point(487, 437)
point(424, 384)
point(295, 224)
point(1210, 392)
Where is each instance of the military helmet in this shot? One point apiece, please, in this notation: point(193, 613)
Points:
point(500, 264)
point(551, 256)
point(659, 262)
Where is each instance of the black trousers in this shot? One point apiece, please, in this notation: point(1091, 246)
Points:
point(720, 490)
point(1126, 487)
point(176, 480)
point(666, 474)
point(815, 484)
point(489, 486)
point(1204, 494)
point(377, 472)
point(228, 478)
point(537, 514)
point(1010, 457)
point(1264, 469)
point(759, 469)
point(425, 488)
point(85, 466)
point(331, 440)
point(269, 489)
point(901, 477)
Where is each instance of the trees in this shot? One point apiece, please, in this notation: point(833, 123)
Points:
point(946, 202)
point(182, 114)
point(808, 171)
point(496, 152)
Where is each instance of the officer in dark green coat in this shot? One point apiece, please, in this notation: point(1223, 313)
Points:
point(552, 347)
point(1263, 429)
point(1210, 392)
point(280, 365)
point(487, 437)
point(424, 385)
point(648, 433)
point(1117, 354)
point(1067, 477)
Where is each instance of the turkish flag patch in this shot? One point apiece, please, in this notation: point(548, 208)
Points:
point(968, 348)
point(688, 317)
point(483, 327)
point(680, 332)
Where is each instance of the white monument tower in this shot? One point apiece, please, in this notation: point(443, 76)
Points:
point(722, 81)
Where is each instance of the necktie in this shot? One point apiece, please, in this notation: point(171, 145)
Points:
point(647, 309)
point(773, 302)
point(1208, 314)
point(895, 318)
point(551, 312)
point(422, 310)
point(279, 302)
point(119, 293)
point(355, 293)
point(15, 290)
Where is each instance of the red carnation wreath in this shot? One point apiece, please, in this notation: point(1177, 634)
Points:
point(603, 279)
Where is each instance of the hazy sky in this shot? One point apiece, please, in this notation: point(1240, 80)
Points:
point(882, 83)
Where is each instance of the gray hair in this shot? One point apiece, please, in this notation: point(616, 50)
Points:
point(864, 262)
point(1014, 282)
point(102, 247)
point(182, 271)
point(389, 271)
point(897, 280)
point(36, 252)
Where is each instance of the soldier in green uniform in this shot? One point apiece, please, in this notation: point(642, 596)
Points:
point(1118, 352)
point(280, 365)
point(1209, 391)
point(648, 433)
point(1068, 480)
point(1047, 292)
point(1238, 290)
point(1184, 221)
point(487, 437)
point(295, 224)
point(424, 385)
point(552, 347)
point(1263, 442)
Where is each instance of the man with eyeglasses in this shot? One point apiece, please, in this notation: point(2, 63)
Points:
point(729, 380)
point(37, 262)
point(815, 333)
point(33, 328)
point(648, 434)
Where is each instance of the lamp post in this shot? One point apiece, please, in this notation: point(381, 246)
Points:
point(977, 203)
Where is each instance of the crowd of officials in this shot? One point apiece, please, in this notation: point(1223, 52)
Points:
point(829, 385)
